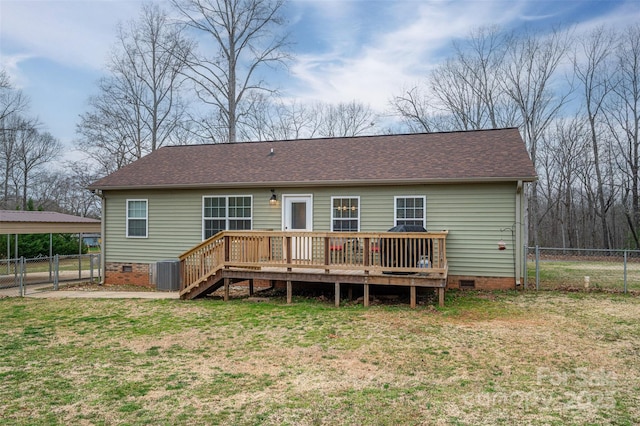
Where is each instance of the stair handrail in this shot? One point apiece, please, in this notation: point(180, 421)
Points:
point(202, 261)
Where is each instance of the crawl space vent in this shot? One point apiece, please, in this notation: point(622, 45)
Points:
point(467, 284)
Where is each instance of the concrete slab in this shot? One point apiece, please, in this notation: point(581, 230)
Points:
point(74, 294)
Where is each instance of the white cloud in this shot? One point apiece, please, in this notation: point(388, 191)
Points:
point(400, 50)
point(71, 32)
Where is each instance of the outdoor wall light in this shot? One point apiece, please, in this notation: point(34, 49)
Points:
point(273, 200)
point(502, 245)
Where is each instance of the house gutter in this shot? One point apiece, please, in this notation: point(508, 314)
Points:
point(332, 183)
point(103, 228)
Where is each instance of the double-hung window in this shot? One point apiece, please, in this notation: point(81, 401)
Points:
point(137, 219)
point(227, 212)
point(411, 210)
point(345, 214)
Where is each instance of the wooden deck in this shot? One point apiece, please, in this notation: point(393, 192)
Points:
point(390, 259)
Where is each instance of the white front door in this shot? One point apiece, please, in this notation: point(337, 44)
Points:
point(297, 215)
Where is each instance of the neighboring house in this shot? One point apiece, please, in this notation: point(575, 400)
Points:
point(472, 184)
point(91, 240)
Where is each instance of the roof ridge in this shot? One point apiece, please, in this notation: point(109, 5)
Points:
point(444, 132)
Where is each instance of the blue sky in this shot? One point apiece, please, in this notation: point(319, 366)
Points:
point(367, 50)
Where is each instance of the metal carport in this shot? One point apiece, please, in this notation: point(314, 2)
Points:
point(14, 222)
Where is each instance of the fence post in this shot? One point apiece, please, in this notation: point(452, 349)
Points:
point(56, 271)
point(91, 268)
point(625, 272)
point(22, 283)
point(537, 267)
point(526, 269)
point(99, 267)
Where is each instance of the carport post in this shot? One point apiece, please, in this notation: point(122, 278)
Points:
point(80, 256)
point(50, 255)
point(8, 254)
point(56, 268)
point(22, 277)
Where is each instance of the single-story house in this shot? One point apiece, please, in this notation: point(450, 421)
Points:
point(472, 184)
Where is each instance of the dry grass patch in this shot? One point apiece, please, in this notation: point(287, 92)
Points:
point(500, 358)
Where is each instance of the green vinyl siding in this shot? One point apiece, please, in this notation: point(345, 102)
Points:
point(477, 216)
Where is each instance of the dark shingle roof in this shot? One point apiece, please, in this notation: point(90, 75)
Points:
point(484, 155)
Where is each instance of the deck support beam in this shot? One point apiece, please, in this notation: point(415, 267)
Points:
point(441, 297)
point(366, 295)
point(250, 287)
point(289, 291)
point(226, 289)
point(337, 298)
point(412, 290)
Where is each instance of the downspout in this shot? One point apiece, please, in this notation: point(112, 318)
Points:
point(103, 216)
point(517, 252)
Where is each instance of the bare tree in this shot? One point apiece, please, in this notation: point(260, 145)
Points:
point(12, 101)
point(344, 119)
point(245, 40)
point(623, 119)
point(591, 68)
point(139, 107)
point(12, 104)
point(16, 130)
point(466, 91)
point(531, 63)
point(480, 62)
point(107, 133)
point(563, 155)
point(149, 60)
point(33, 150)
point(278, 120)
point(416, 111)
point(457, 97)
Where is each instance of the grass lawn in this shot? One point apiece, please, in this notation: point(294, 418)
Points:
point(486, 358)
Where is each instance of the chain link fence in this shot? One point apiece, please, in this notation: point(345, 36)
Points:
point(614, 270)
point(21, 276)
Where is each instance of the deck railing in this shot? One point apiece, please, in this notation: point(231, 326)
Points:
point(369, 252)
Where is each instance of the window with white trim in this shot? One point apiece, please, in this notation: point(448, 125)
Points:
point(226, 213)
point(411, 210)
point(345, 214)
point(137, 219)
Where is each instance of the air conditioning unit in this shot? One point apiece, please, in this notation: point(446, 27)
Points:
point(168, 275)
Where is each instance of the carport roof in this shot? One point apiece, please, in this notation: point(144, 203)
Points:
point(25, 222)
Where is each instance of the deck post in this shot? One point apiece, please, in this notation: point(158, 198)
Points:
point(227, 251)
point(413, 296)
point(366, 255)
point(441, 296)
point(350, 292)
point(250, 287)
point(337, 301)
point(287, 250)
point(289, 291)
point(327, 254)
point(226, 289)
point(366, 295)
